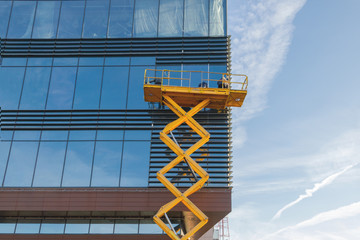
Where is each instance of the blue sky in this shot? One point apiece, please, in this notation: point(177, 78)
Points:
point(296, 152)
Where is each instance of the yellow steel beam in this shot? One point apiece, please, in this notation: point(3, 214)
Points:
point(184, 117)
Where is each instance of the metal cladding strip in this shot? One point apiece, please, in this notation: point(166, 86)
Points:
point(184, 117)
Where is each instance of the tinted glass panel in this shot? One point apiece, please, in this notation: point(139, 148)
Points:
point(135, 166)
point(78, 164)
point(52, 226)
point(4, 17)
point(61, 88)
point(49, 164)
point(136, 83)
point(121, 18)
point(4, 153)
point(126, 226)
point(107, 161)
point(77, 226)
point(87, 93)
point(96, 18)
point(217, 17)
point(46, 20)
point(146, 18)
point(171, 18)
point(71, 19)
point(114, 89)
point(11, 83)
point(7, 226)
point(42, 61)
point(22, 19)
point(102, 226)
point(35, 89)
point(21, 164)
point(28, 226)
point(149, 227)
point(196, 17)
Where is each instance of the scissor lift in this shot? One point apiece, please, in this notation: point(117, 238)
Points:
point(199, 90)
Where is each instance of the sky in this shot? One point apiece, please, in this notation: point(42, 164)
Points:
point(296, 140)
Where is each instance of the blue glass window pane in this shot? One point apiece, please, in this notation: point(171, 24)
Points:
point(35, 89)
point(126, 226)
point(28, 226)
point(137, 135)
point(19, 62)
point(49, 164)
point(78, 164)
point(136, 85)
point(143, 61)
point(110, 135)
point(121, 18)
point(6, 135)
point(61, 89)
point(66, 61)
point(217, 17)
point(177, 78)
point(77, 226)
point(52, 226)
point(171, 18)
point(96, 18)
point(54, 135)
point(114, 89)
point(11, 83)
point(197, 77)
point(71, 19)
point(5, 7)
point(82, 135)
point(107, 161)
point(216, 68)
point(46, 20)
point(40, 62)
point(21, 164)
point(115, 61)
point(135, 166)
point(146, 18)
point(196, 18)
point(26, 135)
point(7, 226)
point(87, 94)
point(22, 18)
point(149, 227)
point(102, 226)
point(91, 61)
point(4, 153)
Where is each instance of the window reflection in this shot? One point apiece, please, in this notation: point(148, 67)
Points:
point(71, 19)
point(107, 161)
point(196, 18)
point(35, 88)
point(77, 226)
point(27, 226)
point(5, 7)
point(22, 19)
point(102, 226)
point(217, 17)
point(7, 226)
point(87, 93)
point(114, 89)
point(149, 227)
point(49, 164)
point(171, 18)
point(146, 17)
point(61, 89)
point(11, 83)
point(78, 164)
point(121, 18)
point(96, 19)
point(46, 20)
point(52, 226)
point(21, 164)
point(136, 83)
point(4, 153)
point(135, 165)
point(126, 226)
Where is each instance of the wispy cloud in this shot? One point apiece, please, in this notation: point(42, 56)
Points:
point(310, 192)
point(261, 34)
point(344, 212)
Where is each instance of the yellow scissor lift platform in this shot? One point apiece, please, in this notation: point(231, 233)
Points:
point(199, 90)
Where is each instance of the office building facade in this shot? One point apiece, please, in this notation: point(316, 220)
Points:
point(79, 146)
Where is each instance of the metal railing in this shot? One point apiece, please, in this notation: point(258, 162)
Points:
point(194, 79)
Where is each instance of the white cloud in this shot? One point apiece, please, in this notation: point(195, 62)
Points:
point(310, 192)
point(325, 225)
